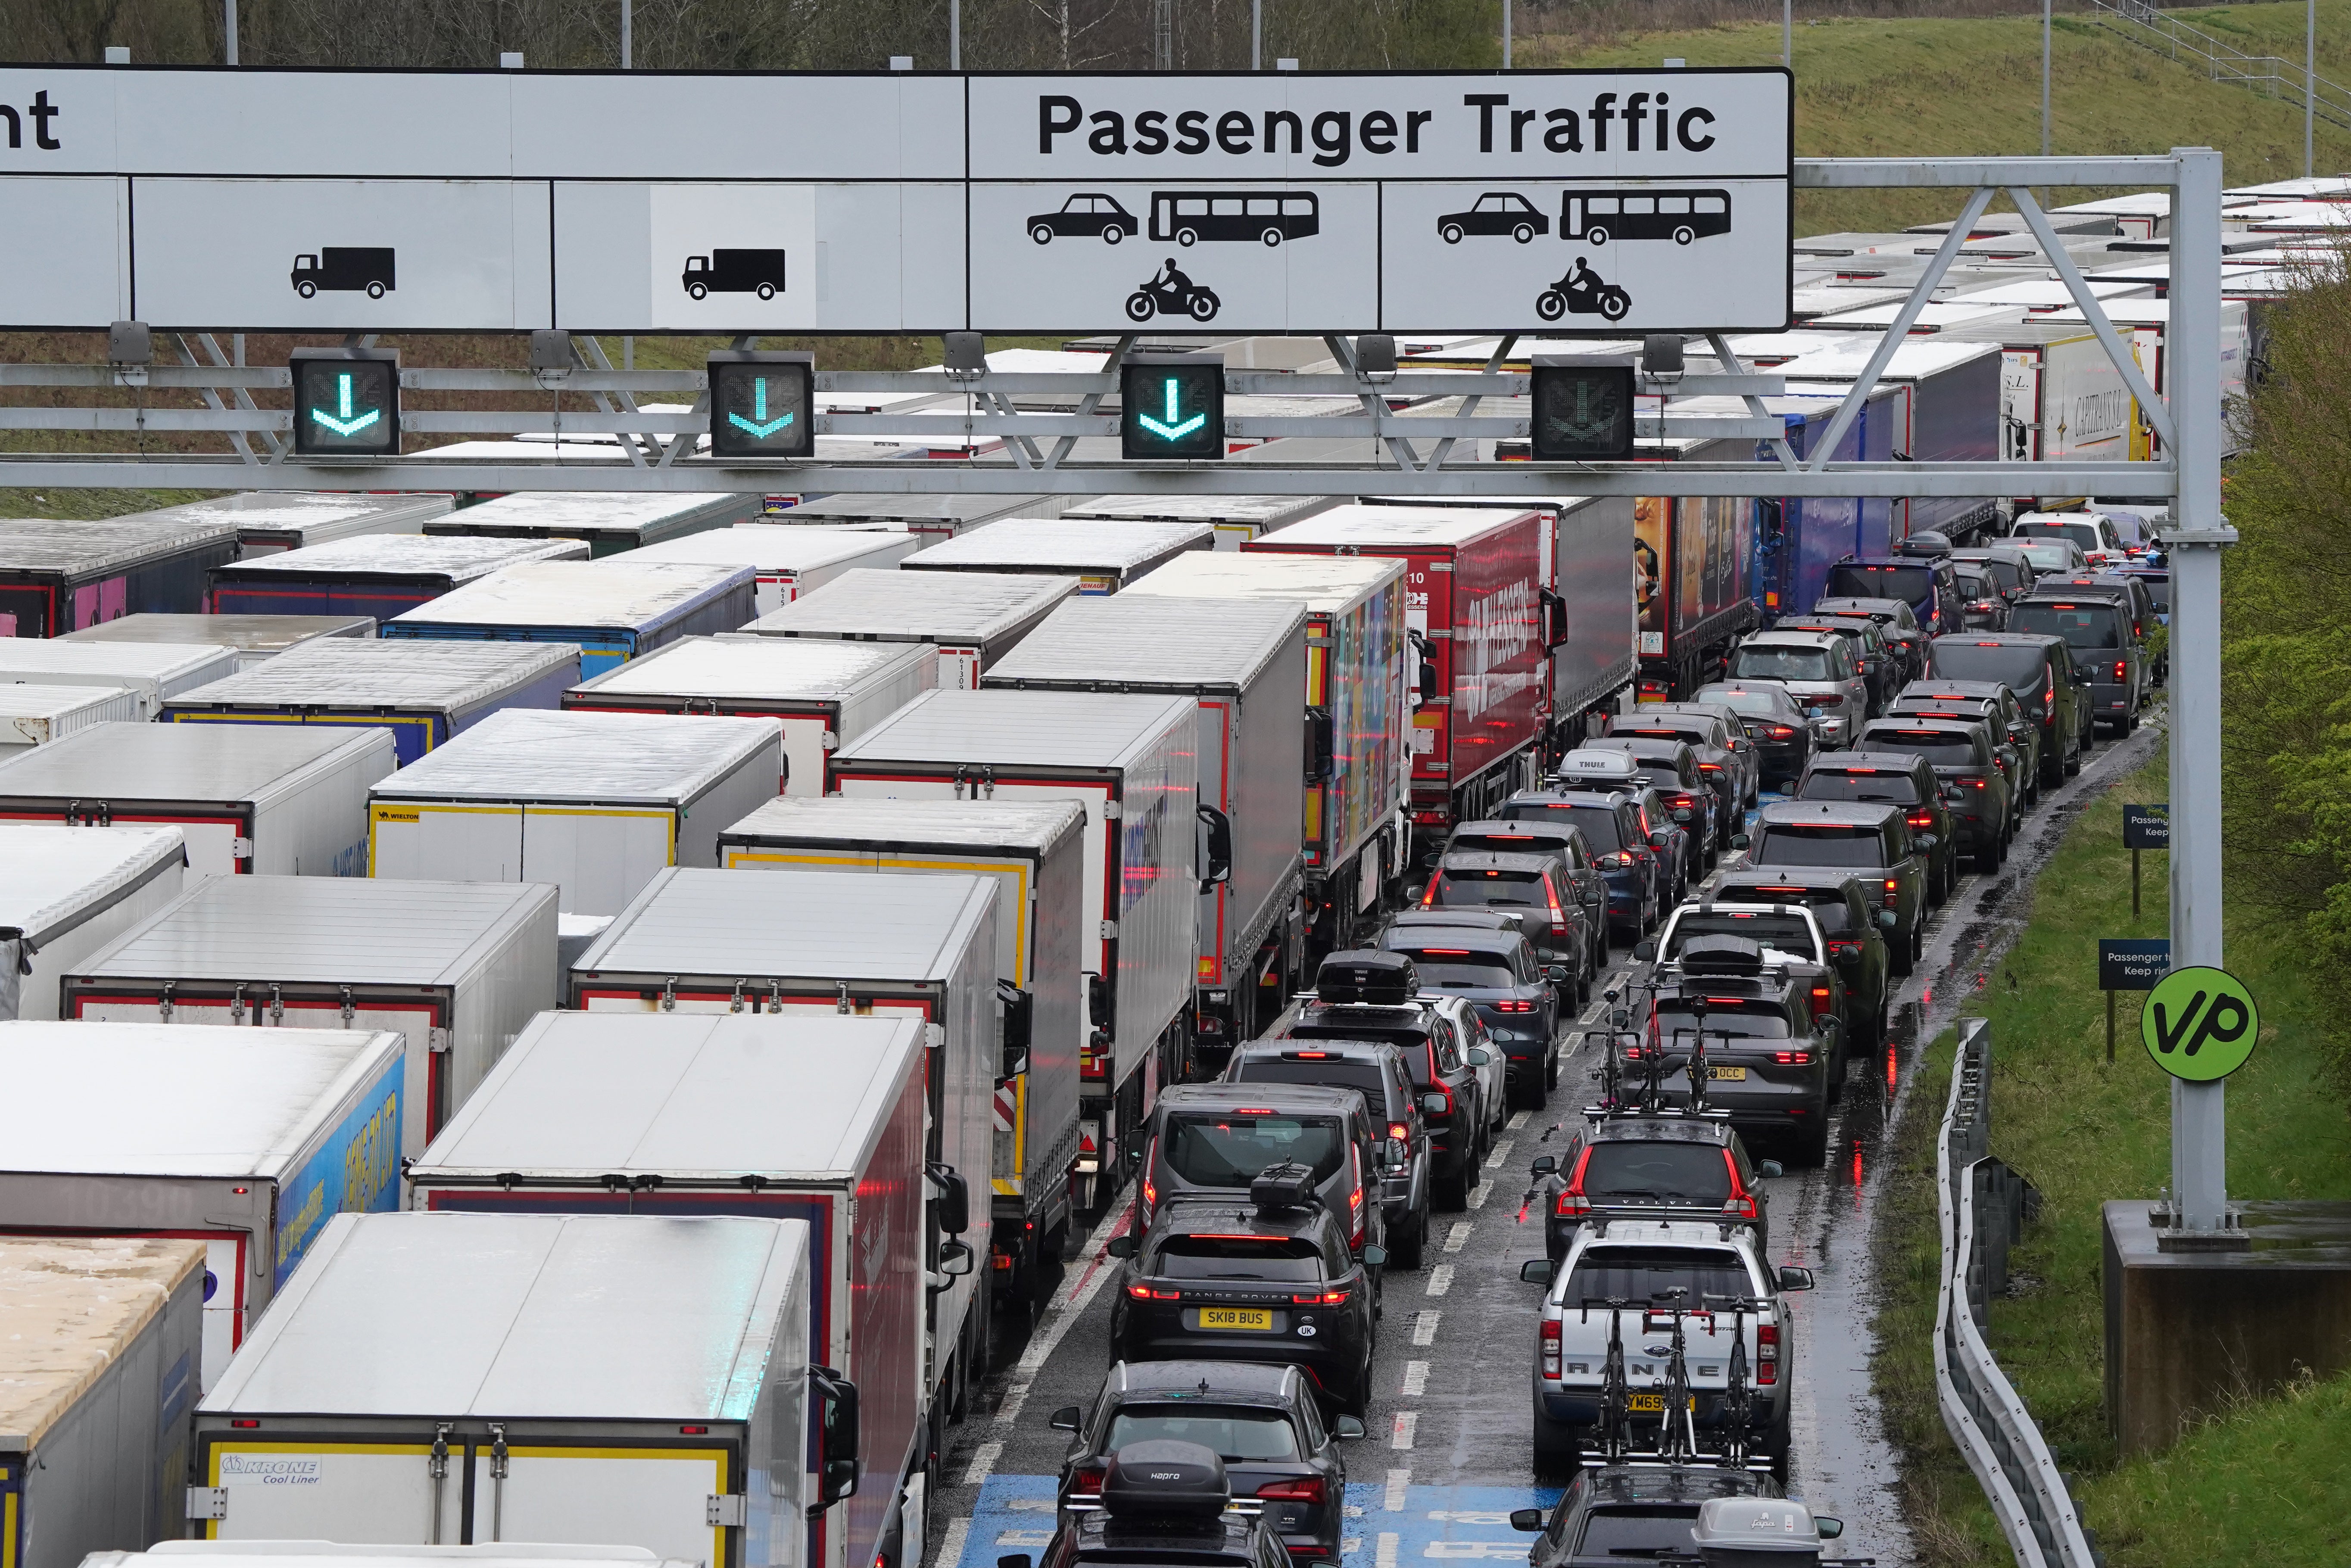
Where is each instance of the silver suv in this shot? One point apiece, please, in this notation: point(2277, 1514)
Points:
point(1818, 670)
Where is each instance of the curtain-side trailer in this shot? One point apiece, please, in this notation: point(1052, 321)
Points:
point(68, 892)
point(60, 575)
point(973, 619)
point(34, 715)
point(1236, 518)
point(376, 575)
point(1106, 557)
point(789, 561)
point(930, 518)
point(155, 670)
point(268, 521)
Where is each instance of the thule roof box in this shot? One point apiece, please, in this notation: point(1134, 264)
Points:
point(1720, 955)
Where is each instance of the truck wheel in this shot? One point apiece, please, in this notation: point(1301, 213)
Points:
point(307, 289)
point(375, 291)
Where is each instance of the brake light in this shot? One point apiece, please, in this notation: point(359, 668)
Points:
point(1428, 898)
point(1308, 1056)
point(1514, 1006)
point(1767, 1353)
point(1827, 700)
point(1572, 1201)
point(1355, 1196)
point(1792, 1058)
point(1150, 1187)
point(1976, 784)
point(1087, 1479)
point(2118, 669)
point(1739, 1206)
point(1820, 1000)
point(1709, 767)
point(1558, 918)
point(1920, 819)
point(1297, 1488)
point(1892, 892)
point(1782, 731)
point(1145, 1293)
point(1845, 949)
point(1319, 1298)
point(1550, 1347)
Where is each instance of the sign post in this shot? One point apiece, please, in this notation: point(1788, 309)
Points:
point(2124, 964)
point(2144, 828)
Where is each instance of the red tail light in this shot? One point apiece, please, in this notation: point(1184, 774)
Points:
point(1976, 784)
point(1087, 1479)
point(1892, 892)
point(1826, 700)
point(2118, 669)
point(1145, 1293)
point(1429, 897)
point(1820, 1000)
point(1298, 1489)
point(1557, 917)
point(1709, 767)
point(1572, 1201)
point(1514, 1006)
point(1921, 819)
point(1398, 1130)
point(1767, 1353)
point(1792, 1058)
point(1355, 1196)
point(1738, 1206)
point(1319, 1298)
point(1551, 1344)
point(1782, 731)
point(1150, 1187)
point(1845, 949)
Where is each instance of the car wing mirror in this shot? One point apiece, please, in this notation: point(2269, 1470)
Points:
point(1529, 1520)
point(1120, 1246)
point(1830, 1528)
point(1066, 1419)
point(1556, 973)
point(1769, 1168)
point(1346, 1429)
point(1646, 952)
point(1432, 1105)
point(1535, 1271)
point(1889, 918)
point(1792, 1278)
point(1375, 1256)
point(1620, 1018)
point(1478, 1058)
point(1546, 1164)
point(1738, 841)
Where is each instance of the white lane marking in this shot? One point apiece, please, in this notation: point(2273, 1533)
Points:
point(1063, 1314)
point(1022, 1538)
point(1501, 1152)
point(1394, 1503)
point(1478, 1194)
point(1354, 1510)
point(1424, 1327)
point(1517, 1119)
point(1415, 1380)
point(983, 1465)
point(1384, 1554)
point(1459, 1237)
point(1440, 1279)
point(951, 1544)
point(1351, 1544)
point(1406, 1423)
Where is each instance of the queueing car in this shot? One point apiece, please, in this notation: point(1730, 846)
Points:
point(1774, 720)
point(2015, 736)
point(1611, 823)
point(1613, 1513)
point(1566, 843)
point(1851, 923)
point(1769, 1055)
point(2108, 658)
point(1375, 1069)
point(1211, 1141)
point(1872, 840)
point(1628, 1166)
point(1816, 668)
point(1533, 885)
point(2040, 670)
point(1497, 975)
point(1165, 1504)
point(1792, 938)
point(1968, 775)
point(1897, 626)
point(1894, 778)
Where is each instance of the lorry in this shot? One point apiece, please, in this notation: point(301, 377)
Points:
point(1035, 853)
point(612, 611)
point(824, 943)
point(455, 969)
point(1354, 835)
point(256, 638)
point(1242, 662)
point(972, 618)
point(1484, 623)
point(246, 1140)
point(97, 1372)
point(789, 561)
point(682, 1120)
point(1104, 556)
point(348, 269)
point(276, 798)
point(34, 715)
point(2146, 325)
point(376, 575)
point(608, 521)
point(759, 272)
point(1944, 407)
point(69, 892)
point(153, 671)
point(1235, 518)
point(423, 692)
point(595, 803)
point(929, 518)
point(1131, 762)
point(823, 694)
point(60, 575)
point(509, 1392)
point(268, 521)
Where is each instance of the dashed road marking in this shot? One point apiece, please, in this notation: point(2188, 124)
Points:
point(1424, 1327)
point(1415, 1380)
point(1440, 1279)
point(983, 1465)
point(1394, 1502)
point(1351, 1544)
point(1384, 1554)
point(1406, 1423)
point(1459, 1237)
point(951, 1542)
point(1517, 1119)
point(1478, 1194)
point(1501, 1152)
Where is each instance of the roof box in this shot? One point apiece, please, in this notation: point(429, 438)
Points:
point(1754, 1533)
point(1161, 1480)
point(1720, 955)
point(1367, 975)
point(1279, 1188)
point(1926, 541)
point(1462, 920)
point(1583, 769)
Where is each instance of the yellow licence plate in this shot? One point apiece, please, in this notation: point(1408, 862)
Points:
point(1735, 1075)
point(1259, 1319)
point(1651, 1403)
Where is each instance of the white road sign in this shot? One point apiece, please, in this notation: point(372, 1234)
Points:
point(1615, 202)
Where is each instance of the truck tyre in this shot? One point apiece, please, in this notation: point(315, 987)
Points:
point(1557, 1445)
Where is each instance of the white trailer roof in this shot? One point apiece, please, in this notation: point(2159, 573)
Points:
point(119, 762)
point(778, 924)
point(350, 931)
point(173, 1099)
point(73, 1305)
point(944, 508)
point(775, 547)
point(1399, 526)
point(263, 634)
point(1200, 508)
point(618, 591)
point(405, 672)
point(541, 754)
point(1055, 543)
point(864, 821)
point(301, 509)
point(171, 666)
point(341, 1554)
point(736, 665)
point(461, 557)
point(917, 607)
point(1152, 643)
point(554, 1324)
point(611, 511)
point(1913, 358)
point(683, 1095)
point(24, 699)
point(1048, 729)
point(57, 875)
point(92, 547)
point(1326, 584)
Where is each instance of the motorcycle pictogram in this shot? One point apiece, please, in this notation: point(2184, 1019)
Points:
point(1169, 292)
point(1585, 292)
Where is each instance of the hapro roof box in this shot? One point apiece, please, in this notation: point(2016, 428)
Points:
point(608, 523)
point(612, 610)
point(271, 520)
point(154, 669)
point(1234, 517)
point(33, 715)
point(790, 559)
point(1104, 556)
point(59, 574)
point(972, 617)
point(258, 639)
point(422, 691)
point(378, 575)
point(69, 892)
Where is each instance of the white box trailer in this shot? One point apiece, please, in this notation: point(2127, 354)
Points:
point(423, 692)
point(456, 969)
point(604, 1114)
point(612, 610)
point(1132, 762)
point(378, 575)
point(97, 1369)
point(258, 639)
point(1242, 663)
point(819, 942)
point(285, 799)
point(1104, 556)
point(34, 715)
point(69, 892)
point(1035, 853)
point(155, 670)
point(608, 522)
point(788, 560)
point(1359, 681)
point(244, 1139)
point(337, 1554)
point(594, 803)
point(2147, 325)
point(601, 1379)
point(1235, 518)
point(972, 618)
point(822, 692)
point(930, 518)
point(268, 521)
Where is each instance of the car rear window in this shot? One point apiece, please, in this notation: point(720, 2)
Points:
point(1651, 1530)
point(1908, 584)
point(1289, 1259)
point(1661, 1276)
point(1828, 904)
point(1875, 788)
point(1657, 1173)
point(2018, 665)
point(1234, 1434)
point(1597, 823)
point(1228, 1148)
point(1762, 704)
point(1780, 661)
point(1695, 732)
point(1748, 1017)
point(1788, 933)
point(1824, 843)
point(1477, 889)
point(1335, 1072)
point(1518, 844)
point(2085, 535)
point(2081, 624)
point(1938, 746)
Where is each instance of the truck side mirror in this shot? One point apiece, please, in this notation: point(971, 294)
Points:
point(837, 1433)
point(1554, 619)
point(1097, 1001)
point(1321, 744)
point(1428, 692)
point(955, 1199)
point(1019, 1012)
point(1216, 856)
point(956, 1259)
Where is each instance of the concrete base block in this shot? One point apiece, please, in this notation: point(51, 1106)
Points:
point(2188, 1331)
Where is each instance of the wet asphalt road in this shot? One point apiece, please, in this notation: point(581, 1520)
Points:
point(1446, 1453)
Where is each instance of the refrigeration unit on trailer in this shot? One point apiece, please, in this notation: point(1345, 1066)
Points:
point(272, 520)
point(248, 1140)
point(1131, 762)
point(1035, 854)
point(595, 803)
point(1476, 604)
point(154, 670)
point(1242, 662)
point(789, 560)
point(423, 692)
point(608, 523)
point(258, 639)
point(275, 798)
point(34, 715)
point(676, 1114)
point(1354, 834)
point(823, 693)
point(456, 968)
point(379, 575)
point(97, 1369)
point(60, 575)
point(1235, 518)
point(613, 611)
point(973, 619)
point(591, 1379)
point(1104, 556)
point(69, 892)
point(929, 518)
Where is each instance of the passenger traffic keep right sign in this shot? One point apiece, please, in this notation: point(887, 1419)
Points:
point(2199, 1024)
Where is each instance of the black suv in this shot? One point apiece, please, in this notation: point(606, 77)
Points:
point(1853, 923)
point(1968, 775)
point(1628, 1514)
point(1166, 1504)
point(1533, 885)
point(2100, 632)
point(1375, 1069)
point(1767, 1054)
point(1497, 975)
point(2040, 670)
point(1210, 1140)
point(1870, 841)
point(1704, 806)
point(1894, 778)
point(1567, 841)
point(1611, 823)
point(2012, 728)
point(1646, 1167)
point(1270, 1282)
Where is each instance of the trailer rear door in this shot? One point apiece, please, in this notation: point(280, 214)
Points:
point(362, 1493)
point(658, 1498)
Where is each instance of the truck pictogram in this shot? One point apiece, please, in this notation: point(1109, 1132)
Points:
point(346, 269)
point(759, 272)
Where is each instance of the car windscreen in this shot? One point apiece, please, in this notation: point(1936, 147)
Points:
point(1473, 888)
point(1661, 1276)
point(1853, 581)
point(1780, 661)
point(1598, 822)
point(2081, 624)
point(1334, 1072)
point(1657, 1173)
point(2019, 665)
point(1236, 1434)
point(1289, 1259)
point(1649, 1531)
point(1748, 1018)
point(1877, 788)
point(1822, 844)
point(1940, 747)
point(1227, 1149)
point(1786, 932)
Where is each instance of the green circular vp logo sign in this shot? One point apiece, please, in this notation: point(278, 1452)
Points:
point(2199, 1024)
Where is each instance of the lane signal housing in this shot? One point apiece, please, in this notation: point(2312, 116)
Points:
point(345, 402)
point(1582, 408)
point(762, 404)
point(1171, 405)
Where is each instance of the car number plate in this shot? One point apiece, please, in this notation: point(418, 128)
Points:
point(1736, 1075)
point(1259, 1319)
point(1649, 1402)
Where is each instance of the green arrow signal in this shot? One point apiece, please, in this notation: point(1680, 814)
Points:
point(346, 425)
point(764, 427)
point(1170, 430)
